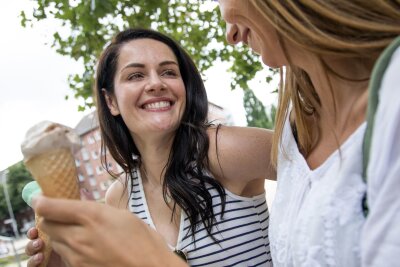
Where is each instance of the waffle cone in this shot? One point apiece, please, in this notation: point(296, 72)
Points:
point(56, 175)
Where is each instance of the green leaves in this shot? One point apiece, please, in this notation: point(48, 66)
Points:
point(18, 176)
point(87, 28)
point(255, 112)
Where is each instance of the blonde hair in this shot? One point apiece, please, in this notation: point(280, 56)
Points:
point(355, 29)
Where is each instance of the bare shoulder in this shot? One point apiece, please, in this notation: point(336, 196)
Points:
point(116, 194)
point(248, 135)
point(240, 155)
point(233, 141)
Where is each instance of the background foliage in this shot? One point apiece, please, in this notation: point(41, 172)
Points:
point(18, 176)
point(87, 26)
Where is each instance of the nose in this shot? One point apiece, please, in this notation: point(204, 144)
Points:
point(155, 84)
point(233, 35)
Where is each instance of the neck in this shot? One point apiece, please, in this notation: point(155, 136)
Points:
point(154, 157)
point(343, 91)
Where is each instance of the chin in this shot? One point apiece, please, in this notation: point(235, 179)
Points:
point(165, 127)
point(270, 63)
point(255, 50)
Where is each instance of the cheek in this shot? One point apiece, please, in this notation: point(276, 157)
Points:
point(179, 89)
point(182, 96)
point(183, 93)
point(270, 50)
point(228, 10)
point(126, 97)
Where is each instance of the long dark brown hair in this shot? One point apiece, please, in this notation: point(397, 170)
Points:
point(186, 177)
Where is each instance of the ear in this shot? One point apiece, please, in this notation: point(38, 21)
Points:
point(111, 102)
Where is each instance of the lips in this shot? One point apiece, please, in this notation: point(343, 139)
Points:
point(157, 105)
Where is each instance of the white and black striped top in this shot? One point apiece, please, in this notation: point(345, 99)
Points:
point(243, 231)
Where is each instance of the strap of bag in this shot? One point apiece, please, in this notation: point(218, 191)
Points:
point(373, 101)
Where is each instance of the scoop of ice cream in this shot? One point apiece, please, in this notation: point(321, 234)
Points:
point(30, 190)
point(46, 136)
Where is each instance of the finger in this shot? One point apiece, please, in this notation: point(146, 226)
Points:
point(60, 210)
point(32, 233)
point(55, 260)
point(68, 234)
point(35, 260)
point(67, 254)
point(33, 247)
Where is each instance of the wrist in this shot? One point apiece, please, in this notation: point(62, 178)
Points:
point(167, 258)
point(171, 260)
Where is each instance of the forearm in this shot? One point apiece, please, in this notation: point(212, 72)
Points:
point(160, 257)
point(170, 260)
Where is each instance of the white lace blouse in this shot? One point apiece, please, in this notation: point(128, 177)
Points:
point(316, 217)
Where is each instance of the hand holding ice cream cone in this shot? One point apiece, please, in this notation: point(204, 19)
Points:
point(48, 151)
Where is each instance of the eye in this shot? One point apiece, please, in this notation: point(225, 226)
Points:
point(135, 76)
point(169, 73)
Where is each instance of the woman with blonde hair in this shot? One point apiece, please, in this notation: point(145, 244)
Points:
point(329, 53)
point(326, 51)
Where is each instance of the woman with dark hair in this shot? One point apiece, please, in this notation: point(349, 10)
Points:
point(201, 187)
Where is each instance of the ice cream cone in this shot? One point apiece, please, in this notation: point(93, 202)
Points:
point(55, 172)
point(48, 154)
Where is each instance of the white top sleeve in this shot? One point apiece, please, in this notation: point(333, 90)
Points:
point(380, 242)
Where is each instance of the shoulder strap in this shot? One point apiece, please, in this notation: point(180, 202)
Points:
point(373, 100)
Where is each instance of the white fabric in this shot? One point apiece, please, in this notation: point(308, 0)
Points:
point(316, 218)
point(381, 233)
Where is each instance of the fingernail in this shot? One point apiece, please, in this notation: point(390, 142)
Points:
point(28, 233)
point(38, 257)
point(36, 244)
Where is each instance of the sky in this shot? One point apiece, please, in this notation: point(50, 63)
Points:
point(33, 83)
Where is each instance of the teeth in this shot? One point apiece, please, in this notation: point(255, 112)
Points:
point(157, 105)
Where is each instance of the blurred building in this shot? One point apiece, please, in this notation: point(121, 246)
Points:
point(92, 176)
point(218, 114)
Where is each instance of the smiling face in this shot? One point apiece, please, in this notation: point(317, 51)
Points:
point(149, 92)
point(246, 24)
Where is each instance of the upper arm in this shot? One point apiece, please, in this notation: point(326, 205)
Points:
point(380, 239)
point(380, 243)
point(240, 155)
point(116, 195)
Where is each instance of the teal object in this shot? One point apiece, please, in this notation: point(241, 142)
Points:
point(30, 190)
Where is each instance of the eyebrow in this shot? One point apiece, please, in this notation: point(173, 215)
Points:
point(140, 65)
point(168, 62)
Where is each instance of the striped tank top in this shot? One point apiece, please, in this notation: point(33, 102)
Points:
point(243, 231)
